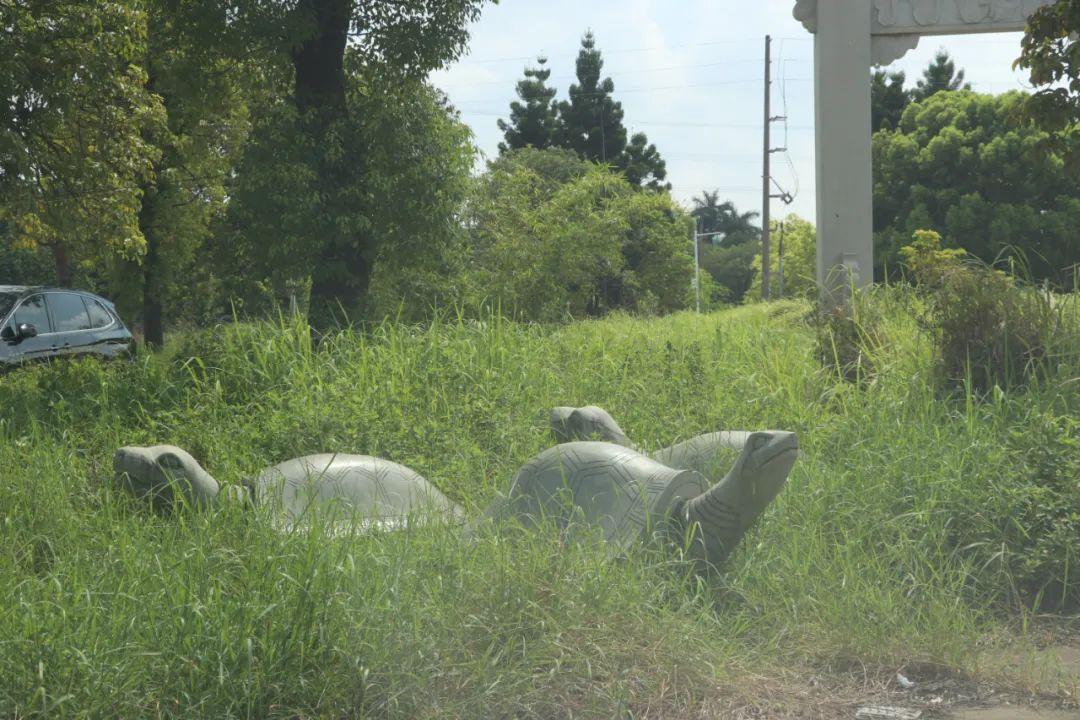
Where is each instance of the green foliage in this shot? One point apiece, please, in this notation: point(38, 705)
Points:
point(552, 236)
point(731, 267)
point(989, 329)
point(1051, 52)
point(940, 76)
point(401, 163)
point(926, 511)
point(800, 260)
point(851, 337)
point(534, 123)
point(74, 119)
point(642, 165)
point(959, 165)
point(713, 216)
point(728, 256)
point(888, 98)
point(1030, 517)
point(590, 122)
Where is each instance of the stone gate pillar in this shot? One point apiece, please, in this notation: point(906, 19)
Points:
point(850, 37)
point(842, 58)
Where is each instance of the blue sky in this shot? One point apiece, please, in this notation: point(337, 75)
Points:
point(689, 74)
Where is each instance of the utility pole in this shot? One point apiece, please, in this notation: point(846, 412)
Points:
point(780, 264)
point(697, 267)
point(766, 175)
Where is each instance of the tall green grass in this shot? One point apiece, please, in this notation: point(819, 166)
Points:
point(880, 552)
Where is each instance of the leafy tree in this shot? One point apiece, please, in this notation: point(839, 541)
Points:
point(532, 124)
point(204, 94)
point(960, 166)
point(323, 233)
point(800, 258)
point(551, 168)
point(395, 205)
point(1051, 52)
point(728, 257)
point(73, 146)
point(888, 99)
point(642, 165)
point(590, 122)
point(940, 75)
point(554, 236)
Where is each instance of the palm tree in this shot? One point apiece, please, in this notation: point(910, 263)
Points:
point(723, 217)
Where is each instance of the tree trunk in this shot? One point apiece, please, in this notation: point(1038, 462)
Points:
point(152, 284)
point(61, 264)
point(319, 61)
point(152, 307)
point(341, 275)
point(339, 283)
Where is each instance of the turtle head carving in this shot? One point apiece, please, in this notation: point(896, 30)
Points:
point(586, 423)
point(165, 474)
point(722, 515)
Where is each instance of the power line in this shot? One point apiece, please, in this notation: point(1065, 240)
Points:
point(651, 123)
point(621, 73)
point(658, 88)
point(620, 51)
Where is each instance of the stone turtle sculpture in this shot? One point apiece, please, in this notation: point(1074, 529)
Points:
point(608, 486)
point(340, 487)
point(630, 496)
point(586, 423)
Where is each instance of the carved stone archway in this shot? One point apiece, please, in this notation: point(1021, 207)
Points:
point(849, 37)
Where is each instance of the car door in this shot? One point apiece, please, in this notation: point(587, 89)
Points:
point(32, 310)
point(71, 322)
point(108, 337)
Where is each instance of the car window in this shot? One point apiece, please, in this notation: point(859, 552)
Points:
point(68, 312)
point(32, 312)
point(99, 316)
point(7, 301)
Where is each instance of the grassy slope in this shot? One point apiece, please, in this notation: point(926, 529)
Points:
point(106, 610)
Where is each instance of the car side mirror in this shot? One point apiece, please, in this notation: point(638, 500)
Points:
point(26, 330)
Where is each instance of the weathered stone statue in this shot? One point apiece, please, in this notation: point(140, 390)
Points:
point(631, 497)
point(586, 423)
point(380, 492)
point(739, 492)
point(681, 492)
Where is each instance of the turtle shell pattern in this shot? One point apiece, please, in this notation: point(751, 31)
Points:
point(379, 491)
point(576, 485)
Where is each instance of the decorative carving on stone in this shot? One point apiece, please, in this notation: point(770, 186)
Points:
point(973, 11)
point(885, 49)
point(1007, 10)
point(806, 13)
point(886, 11)
point(926, 12)
point(934, 17)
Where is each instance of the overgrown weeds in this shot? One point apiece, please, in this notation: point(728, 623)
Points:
point(884, 548)
point(991, 329)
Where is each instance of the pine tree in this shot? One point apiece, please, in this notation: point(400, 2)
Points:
point(940, 75)
point(534, 120)
point(642, 164)
point(888, 99)
point(590, 123)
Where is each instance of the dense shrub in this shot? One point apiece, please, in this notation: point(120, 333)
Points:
point(553, 237)
point(990, 329)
